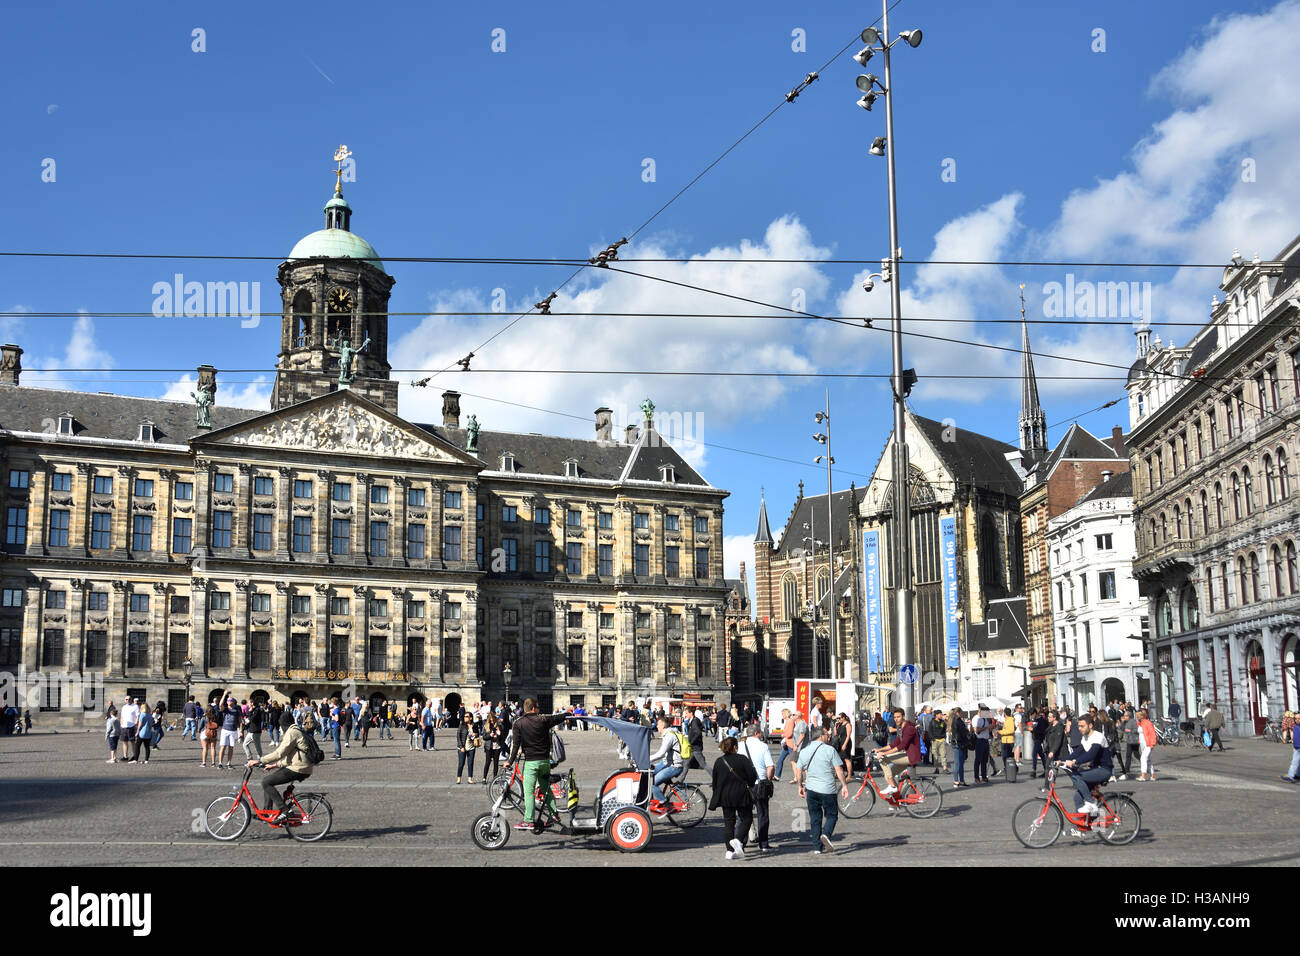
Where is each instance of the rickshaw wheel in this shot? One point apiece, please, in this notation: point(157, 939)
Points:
point(490, 833)
point(628, 830)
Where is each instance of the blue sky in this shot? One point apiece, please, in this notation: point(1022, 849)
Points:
point(1061, 152)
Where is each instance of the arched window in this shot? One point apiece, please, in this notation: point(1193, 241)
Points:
point(1248, 490)
point(1209, 587)
point(790, 596)
point(1254, 577)
point(1191, 531)
point(1205, 513)
point(1236, 497)
point(1270, 480)
point(1223, 585)
point(1218, 505)
point(1188, 609)
point(823, 583)
point(1178, 522)
point(1164, 616)
point(1290, 567)
point(302, 310)
point(1242, 589)
point(1283, 480)
point(1164, 527)
point(990, 559)
point(1279, 583)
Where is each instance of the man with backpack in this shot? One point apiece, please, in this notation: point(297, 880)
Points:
point(669, 760)
point(694, 728)
point(295, 758)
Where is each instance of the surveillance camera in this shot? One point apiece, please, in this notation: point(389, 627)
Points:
point(868, 285)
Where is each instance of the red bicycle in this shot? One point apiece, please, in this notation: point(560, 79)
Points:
point(921, 798)
point(308, 815)
point(1038, 824)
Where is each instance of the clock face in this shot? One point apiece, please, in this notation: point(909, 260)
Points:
point(340, 300)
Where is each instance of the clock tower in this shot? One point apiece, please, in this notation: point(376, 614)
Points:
point(334, 293)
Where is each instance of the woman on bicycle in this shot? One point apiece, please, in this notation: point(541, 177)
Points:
point(291, 760)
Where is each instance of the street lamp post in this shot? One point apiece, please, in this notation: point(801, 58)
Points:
point(1074, 681)
point(825, 439)
point(187, 667)
point(901, 379)
point(505, 675)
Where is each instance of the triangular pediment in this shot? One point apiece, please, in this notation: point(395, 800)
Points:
point(340, 423)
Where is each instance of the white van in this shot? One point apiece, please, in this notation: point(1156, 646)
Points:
point(773, 723)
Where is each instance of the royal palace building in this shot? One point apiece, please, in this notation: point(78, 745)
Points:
point(1215, 426)
point(326, 546)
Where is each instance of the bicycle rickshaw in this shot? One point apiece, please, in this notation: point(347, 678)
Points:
point(620, 810)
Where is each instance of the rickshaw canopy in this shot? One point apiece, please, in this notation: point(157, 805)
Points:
point(635, 736)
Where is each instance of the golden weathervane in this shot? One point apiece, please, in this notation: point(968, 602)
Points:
point(340, 155)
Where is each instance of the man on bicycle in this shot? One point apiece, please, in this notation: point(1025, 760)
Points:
point(531, 735)
point(666, 762)
point(291, 758)
point(905, 753)
point(1094, 752)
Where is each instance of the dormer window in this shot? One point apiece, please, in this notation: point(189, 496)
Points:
point(667, 474)
point(508, 462)
point(570, 468)
point(65, 423)
point(147, 431)
point(993, 627)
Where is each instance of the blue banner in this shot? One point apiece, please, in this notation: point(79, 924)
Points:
point(871, 590)
point(948, 548)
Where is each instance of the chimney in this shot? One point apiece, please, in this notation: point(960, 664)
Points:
point(630, 435)
point(604, 424)
point(1117, 441)
point(11, 364)
point(208, 380)
point(451, 409)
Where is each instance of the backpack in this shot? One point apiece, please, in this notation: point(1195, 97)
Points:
point(314, 754)
point(684, 744)
point(557, 749)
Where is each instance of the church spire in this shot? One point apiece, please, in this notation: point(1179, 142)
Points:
point(764, 533)
point(1033, 421)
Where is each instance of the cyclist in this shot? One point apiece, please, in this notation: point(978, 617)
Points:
point(291, 759)
point(905, 753)
point(1094, 752)
point(666, 762)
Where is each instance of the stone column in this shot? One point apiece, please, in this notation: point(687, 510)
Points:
point(437, 509)
point(472, 529)
point(159, 633)
point(199, 626)
point(239, 633)
point(469, 628)
point(118, 604)
point(360, 628)
point(397, 642)
point(318, 647)
point(361, 529)
point(659, 644)
point(325, 516)
point(76, 639)
point(690, 638)
point(86, 479)
point(284, 514)
point(120, 522)
point(30, 653)
point(398, 545)
point(38, 507)
point(167, 478)
point(433, 627)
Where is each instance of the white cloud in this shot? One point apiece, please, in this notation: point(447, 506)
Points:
point(634, 343)
point(80, 351)
point(254, 394)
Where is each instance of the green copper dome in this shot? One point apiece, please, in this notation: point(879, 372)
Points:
point(336, 244)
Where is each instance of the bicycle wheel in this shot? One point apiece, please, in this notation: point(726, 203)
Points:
point(515, 795)
point(859, 804)
point(922, 798)
point(1120, 820)
point(1037, 823)
point(226, 818)
point(697, 805)
point(490, 832)
point(316, 816)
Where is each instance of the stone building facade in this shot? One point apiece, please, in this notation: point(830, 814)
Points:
point(330, 546)
point(1215, 433)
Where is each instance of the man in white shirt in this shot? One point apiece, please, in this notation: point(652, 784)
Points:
point(755, 748)
point(129, 717)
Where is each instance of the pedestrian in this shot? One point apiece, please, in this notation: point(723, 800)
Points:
point(1130, 740)
point(1054, 742)
point(364, 721)
point(982, 725)
point(1175, 712)
point(787, 740)
point(211, 730)
point(817, 770)
point(1022, 732)
point(1008, 734)
point(231, 723)
point(428, 719)
point(960, 736)
point(1293, 774)
point(191, 713)
point(112, 733)
point(129, 717)
point(531, 739)
point(272, 722)
point(756, 749)
point(1039, 733)
point(466, 743)
point(940, 750)
point(413, 724)
point(253, 730)
point(734, 777)
point(694, 728)
point(144, 734)
point(494, 740)
point(1147, 739)
point(1213, 723)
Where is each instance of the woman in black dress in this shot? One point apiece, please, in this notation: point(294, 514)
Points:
point(734, 777)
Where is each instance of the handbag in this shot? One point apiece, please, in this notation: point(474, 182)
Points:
point(753, 795)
